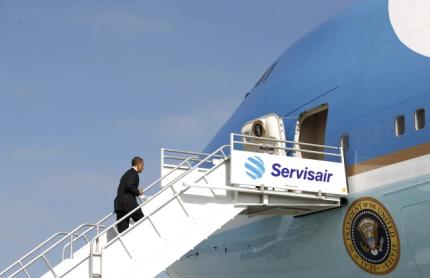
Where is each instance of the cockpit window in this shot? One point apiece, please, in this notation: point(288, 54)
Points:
point(266, 74)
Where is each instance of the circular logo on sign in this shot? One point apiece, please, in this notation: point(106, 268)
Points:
point(255, 167)
point(370, 236)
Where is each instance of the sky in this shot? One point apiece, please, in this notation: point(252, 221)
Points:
point(87, 85)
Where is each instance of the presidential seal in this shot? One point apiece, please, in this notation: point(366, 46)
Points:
point(370, 236)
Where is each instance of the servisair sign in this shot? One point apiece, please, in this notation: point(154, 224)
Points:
point(250, 168)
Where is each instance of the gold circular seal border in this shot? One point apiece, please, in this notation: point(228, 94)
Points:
point(374, 205)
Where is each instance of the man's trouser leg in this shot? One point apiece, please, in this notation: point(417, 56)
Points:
point(123, 225)
point(137, 215)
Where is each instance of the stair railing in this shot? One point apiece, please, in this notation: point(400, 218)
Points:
point(191, 168)
point(20, 262)
point(69, 237)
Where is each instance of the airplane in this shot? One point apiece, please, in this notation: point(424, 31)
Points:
point(361, 80)
point(358, 81)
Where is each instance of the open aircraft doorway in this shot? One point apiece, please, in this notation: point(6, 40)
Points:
point(311, 129)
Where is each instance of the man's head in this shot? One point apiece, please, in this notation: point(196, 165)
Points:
point(137, 163)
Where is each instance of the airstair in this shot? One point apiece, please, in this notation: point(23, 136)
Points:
point(197, 194)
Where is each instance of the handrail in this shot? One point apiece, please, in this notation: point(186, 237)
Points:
point(147, 201)
point(64, 235)
point(284, 141)
point(158, 193)
point(32, 251)
point(179, 155)
point(340, 149)
point(160, 179)
point(288, 149)
point(293, 149)
point(181, 158)
point(196, 166)
point(188, 157)
point(186, 152)
point(97, 237)
point(169, 186)
point(221, 149)
point(83, 235)
point(42, 255)
point(71, 236)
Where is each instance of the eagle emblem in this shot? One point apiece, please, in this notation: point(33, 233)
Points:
point(370, 236)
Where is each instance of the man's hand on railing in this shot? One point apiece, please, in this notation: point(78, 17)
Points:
point(142, 196)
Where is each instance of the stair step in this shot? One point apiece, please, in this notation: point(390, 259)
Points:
point(197, 197)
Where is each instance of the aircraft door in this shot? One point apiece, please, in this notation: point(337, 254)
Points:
point(291, 126)
point(311, 128)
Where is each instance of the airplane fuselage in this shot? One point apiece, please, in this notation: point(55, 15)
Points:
point(376, 94)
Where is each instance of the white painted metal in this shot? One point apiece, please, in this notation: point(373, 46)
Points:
point(197, 197)
point(411, 23)
point(289, 173)
point(44, 256)
point(272, 126)
point(178, 227)
point(39, 255)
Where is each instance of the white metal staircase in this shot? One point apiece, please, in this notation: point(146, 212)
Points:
point(198, 194)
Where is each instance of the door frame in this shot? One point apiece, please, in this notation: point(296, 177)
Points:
point(303, 116)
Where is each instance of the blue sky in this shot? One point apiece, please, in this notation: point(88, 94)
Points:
point(86, 85)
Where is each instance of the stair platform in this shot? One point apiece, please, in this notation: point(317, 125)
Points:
point(198, 194)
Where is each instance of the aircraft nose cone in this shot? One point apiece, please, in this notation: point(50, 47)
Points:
point(411, 23)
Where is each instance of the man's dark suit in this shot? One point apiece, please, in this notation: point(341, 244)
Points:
point(125, 200)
